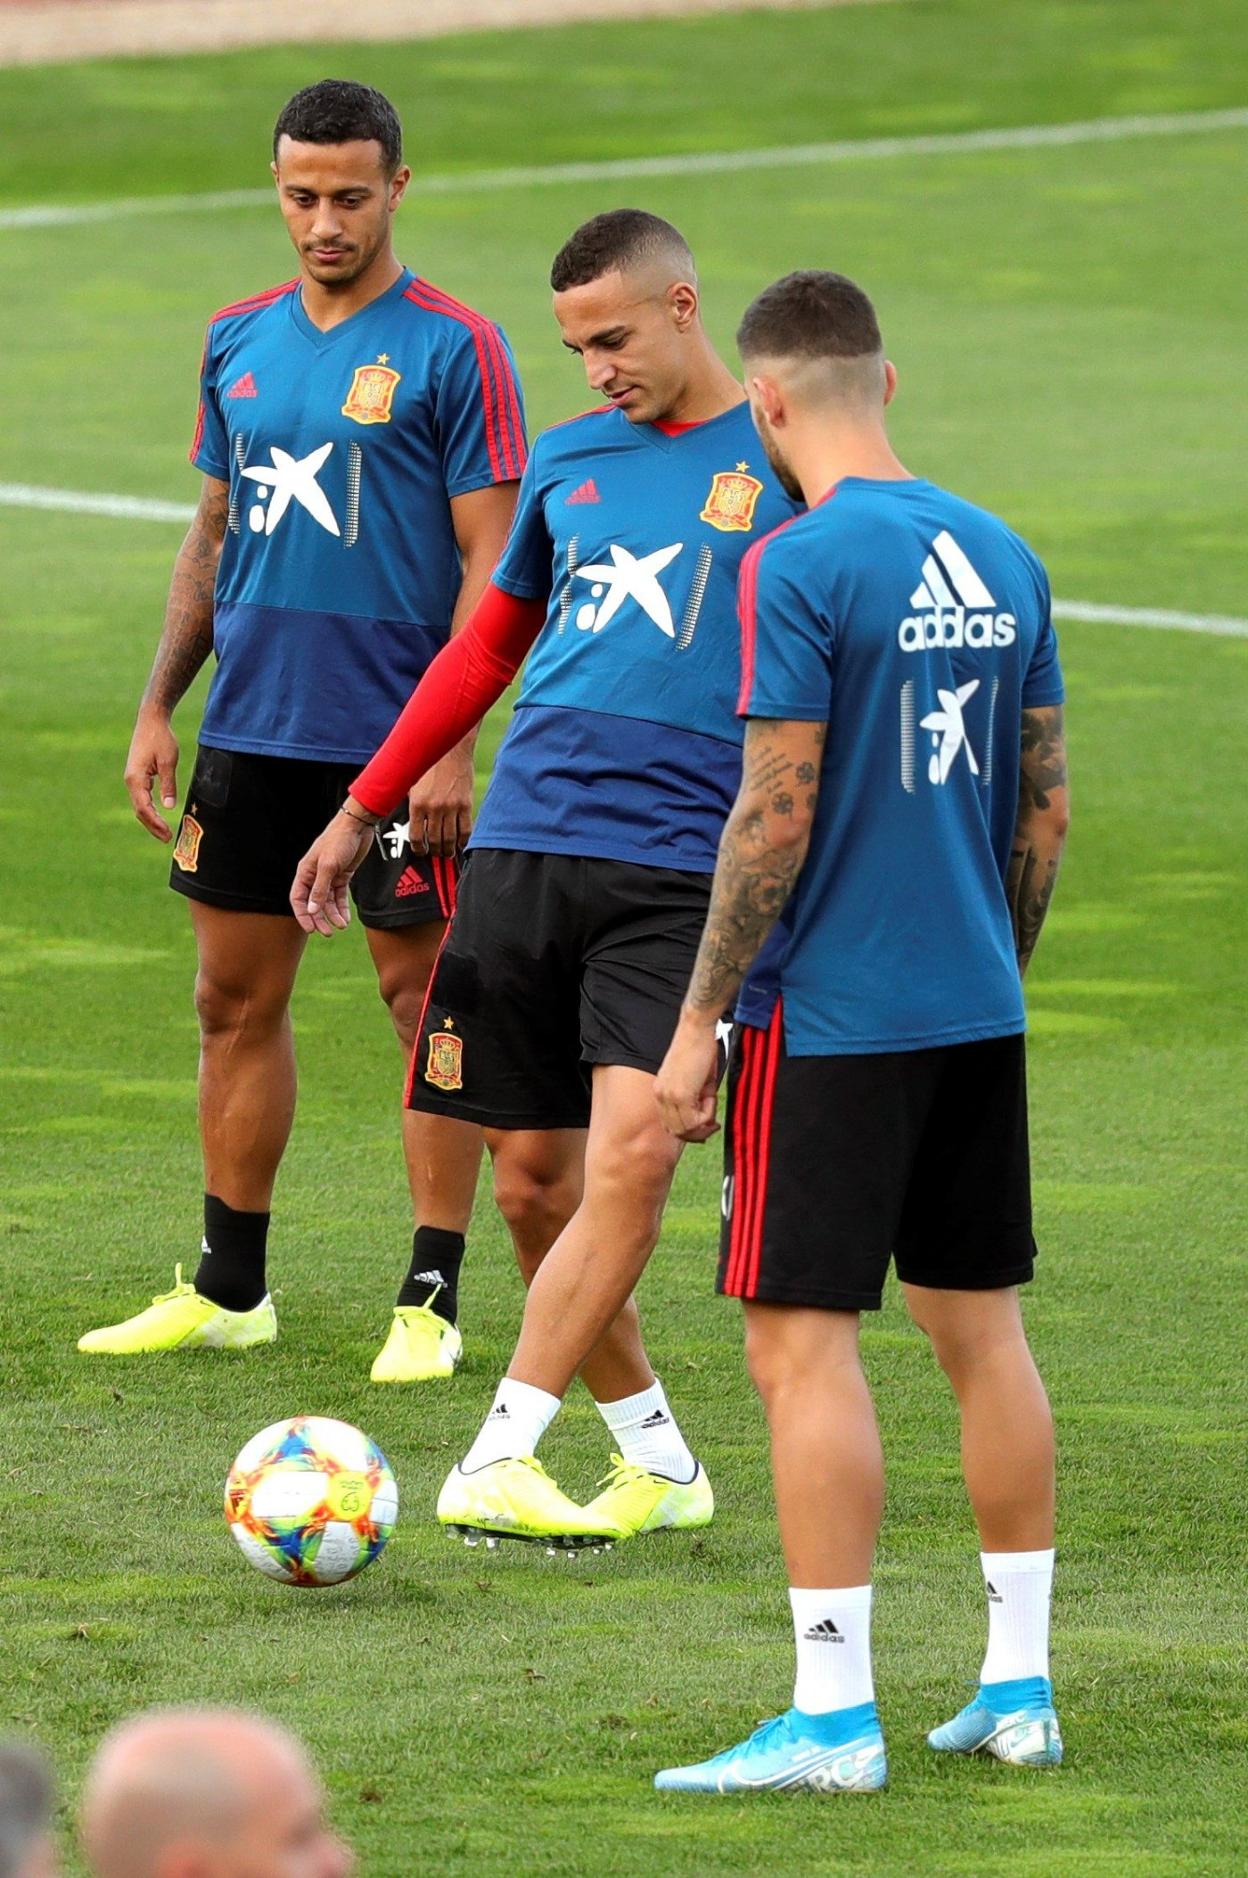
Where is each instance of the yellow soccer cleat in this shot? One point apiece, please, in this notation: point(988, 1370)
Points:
point(421, 1347)
point(517, 1499)
point(181, 1320)
point(637, 1501)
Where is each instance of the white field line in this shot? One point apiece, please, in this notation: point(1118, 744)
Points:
point(691, 163)
point(145, 509)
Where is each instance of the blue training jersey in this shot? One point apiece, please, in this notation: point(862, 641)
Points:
point(339, 572)
point(918, 627)
point(625, 744)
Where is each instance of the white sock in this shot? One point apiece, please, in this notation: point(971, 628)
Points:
point(1020, 1591)
point(833, 1634)
point(519, 1418)
point(646, 1433)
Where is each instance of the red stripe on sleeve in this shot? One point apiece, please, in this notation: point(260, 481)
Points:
point(497, 442)
point(515, 450)
point(747, 591)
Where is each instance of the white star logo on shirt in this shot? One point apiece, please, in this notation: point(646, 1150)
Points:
point(294, 480)
point(629, 578)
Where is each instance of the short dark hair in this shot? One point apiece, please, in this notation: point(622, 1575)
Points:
point(619, 238)
point(337, 111)
point(810, 315)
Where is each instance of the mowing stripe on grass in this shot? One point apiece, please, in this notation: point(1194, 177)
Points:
point(149, 509)
point(690, 163)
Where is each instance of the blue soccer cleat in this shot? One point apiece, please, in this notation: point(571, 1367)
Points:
point(838, 1753)
point(1015, 1721)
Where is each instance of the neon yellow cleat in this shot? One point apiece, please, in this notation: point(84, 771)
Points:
point(181, 1320)
point(637, 1501)
point(421, 1347)
point(517, 1499)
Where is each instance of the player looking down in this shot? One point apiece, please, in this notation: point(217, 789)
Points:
point(881, 884)
point(586, 886)
point(361, 437)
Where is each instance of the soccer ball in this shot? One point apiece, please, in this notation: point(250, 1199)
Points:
point(311, 1501)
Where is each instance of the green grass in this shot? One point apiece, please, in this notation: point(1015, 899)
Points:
point(1066, 326)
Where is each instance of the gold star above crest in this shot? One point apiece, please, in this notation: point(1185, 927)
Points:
point(383, 358)
point(742, 466)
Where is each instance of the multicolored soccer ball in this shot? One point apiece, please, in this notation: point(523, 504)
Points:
point(311, 1501)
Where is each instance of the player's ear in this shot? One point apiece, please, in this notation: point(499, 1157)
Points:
point(398, 186)
point(682, 298)
point(890, 380)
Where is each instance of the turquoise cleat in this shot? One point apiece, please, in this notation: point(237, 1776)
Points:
point(1015, 1721)
point(838, 1753)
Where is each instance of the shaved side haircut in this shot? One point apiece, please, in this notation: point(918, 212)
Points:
point(620, 240)
point(819, 320)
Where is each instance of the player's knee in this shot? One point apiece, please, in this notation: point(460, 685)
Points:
point(228, 1004)
point(536, 1201)
point(405, 1003)
point(637, 1166)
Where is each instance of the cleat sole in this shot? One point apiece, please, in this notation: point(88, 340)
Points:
point(570, 1544)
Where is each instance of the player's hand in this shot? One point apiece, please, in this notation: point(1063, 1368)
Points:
point(153, 756)
point(440, 806)
point(687, 1082)
point(318, 897)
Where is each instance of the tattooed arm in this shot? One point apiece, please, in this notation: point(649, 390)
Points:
point(761, 854)
point(184, 645)
point(1040, 828)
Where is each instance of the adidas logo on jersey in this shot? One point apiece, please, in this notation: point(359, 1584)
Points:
point(244, 387)
point(954, 606)
point(586, 492)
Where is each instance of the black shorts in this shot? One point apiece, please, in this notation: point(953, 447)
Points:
point(249, 820)
point(834, 1164)
point(553, 963)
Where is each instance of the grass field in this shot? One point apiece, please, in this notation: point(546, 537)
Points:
point(1067, 323)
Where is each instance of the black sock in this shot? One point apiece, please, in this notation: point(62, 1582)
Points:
point(436, 1259)
point(231, 1270)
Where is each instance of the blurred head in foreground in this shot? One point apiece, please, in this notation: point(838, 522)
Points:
point(626, 299)
point(814, 365)
point(338, 165)
point(25, 1814)
point(206, 1793)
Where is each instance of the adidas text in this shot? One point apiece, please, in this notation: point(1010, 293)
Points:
point(953, 626)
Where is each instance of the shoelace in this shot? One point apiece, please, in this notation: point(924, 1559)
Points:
point(179, 1289)
point(426, 1309)
point(623, 1473)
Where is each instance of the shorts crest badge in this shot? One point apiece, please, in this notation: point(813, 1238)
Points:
point(186, 847)
point(732, 500)
point(446, 1060)
point(371, 395)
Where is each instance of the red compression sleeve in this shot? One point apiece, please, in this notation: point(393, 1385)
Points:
point(467, 677)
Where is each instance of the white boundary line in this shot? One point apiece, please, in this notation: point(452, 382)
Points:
point(691, 163)
point(145, 509)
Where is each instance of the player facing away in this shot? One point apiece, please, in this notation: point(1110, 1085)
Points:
point(586, 886)
point(361, 438)
point(881, 883)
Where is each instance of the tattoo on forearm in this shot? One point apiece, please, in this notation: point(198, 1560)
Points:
point(187, 637)
point(1043, 760)
point(1029, 884)
point(754, 877)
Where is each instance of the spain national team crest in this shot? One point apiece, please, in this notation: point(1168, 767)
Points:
point(732, 500)
point(371, 396)
point(186, 847)
point(446, 1060)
